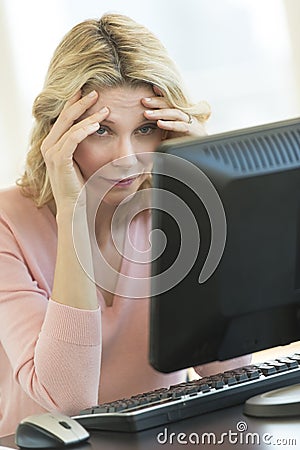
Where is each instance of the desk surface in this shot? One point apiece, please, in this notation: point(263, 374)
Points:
point(226, 429)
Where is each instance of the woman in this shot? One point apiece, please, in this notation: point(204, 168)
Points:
point(68, 338)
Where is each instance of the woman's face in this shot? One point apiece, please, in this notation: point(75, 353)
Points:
point(120, 147)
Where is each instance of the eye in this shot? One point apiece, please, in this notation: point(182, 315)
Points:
point(101, 130)
point(147, 129)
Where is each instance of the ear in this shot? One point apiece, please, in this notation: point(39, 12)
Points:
point(157, 91)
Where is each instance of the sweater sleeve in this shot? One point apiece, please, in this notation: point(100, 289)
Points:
point(54, 350)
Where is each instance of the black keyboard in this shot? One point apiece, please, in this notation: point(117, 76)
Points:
point(191, 398)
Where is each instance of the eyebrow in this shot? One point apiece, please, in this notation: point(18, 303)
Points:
point(108, 121)
point(145, 120)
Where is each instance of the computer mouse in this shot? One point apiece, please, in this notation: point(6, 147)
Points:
point(49, 430)
point(282, 402)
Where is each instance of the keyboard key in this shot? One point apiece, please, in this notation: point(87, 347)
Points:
point(279, 366)
point(291, 363)
point(253, 374)
point(230, 378)
point(267, 369)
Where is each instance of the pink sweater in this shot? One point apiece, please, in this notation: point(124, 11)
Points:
point(50, 353)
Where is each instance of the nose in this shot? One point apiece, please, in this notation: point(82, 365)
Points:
point(126, 156)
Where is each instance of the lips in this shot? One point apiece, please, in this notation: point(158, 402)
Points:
point(122, 181)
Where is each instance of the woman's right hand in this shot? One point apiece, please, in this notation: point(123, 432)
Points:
point(60, 144)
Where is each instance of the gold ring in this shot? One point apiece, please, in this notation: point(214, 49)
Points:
point(190, 118)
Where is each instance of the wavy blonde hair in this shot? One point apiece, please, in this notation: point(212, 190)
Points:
point(98, 54)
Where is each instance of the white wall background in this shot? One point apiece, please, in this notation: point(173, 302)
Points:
point(242, 56)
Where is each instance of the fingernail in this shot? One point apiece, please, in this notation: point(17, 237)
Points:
point(92, 94)
point(149, 111)
point(104, 109)
point(93, 126)
point(148, 99)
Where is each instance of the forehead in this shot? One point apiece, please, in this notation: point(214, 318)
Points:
point(123, 98)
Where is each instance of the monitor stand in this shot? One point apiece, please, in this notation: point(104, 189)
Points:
point(282, 402)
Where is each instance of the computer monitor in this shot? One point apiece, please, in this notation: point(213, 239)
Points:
point(225, 239)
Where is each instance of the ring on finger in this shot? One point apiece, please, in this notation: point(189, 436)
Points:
point(190, 118)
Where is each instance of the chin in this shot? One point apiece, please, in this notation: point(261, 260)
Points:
point(115, 198)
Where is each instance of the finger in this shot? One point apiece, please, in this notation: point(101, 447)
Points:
point(72, 110)
point(75, 137)
point(97, 117)
point(64, 149)
point(176, 126)
point(203, 108)
point(73, 99)
point(167, 114)
point(77, 133)
point(155, 102)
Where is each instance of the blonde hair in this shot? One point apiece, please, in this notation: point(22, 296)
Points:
point(98, 54)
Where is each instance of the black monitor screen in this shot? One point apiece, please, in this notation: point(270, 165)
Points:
point(225, 242)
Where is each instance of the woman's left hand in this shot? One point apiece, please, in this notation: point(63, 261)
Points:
point(174, 121)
